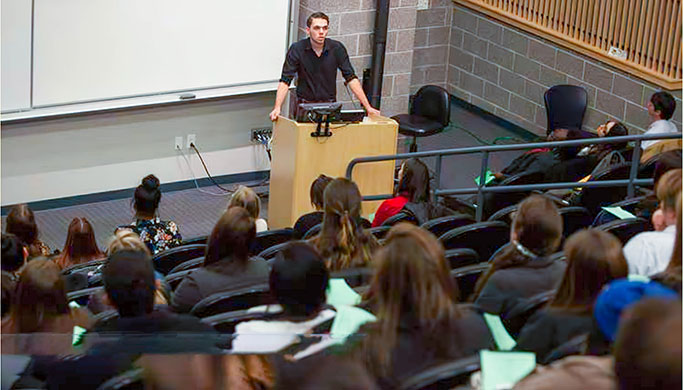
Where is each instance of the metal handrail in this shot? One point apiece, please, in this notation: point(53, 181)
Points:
point(480, 190)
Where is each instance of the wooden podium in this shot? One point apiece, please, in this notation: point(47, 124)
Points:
point(298, 158)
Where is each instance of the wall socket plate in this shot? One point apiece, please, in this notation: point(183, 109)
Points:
point(191, 140)
point(423, 4)
point(178, 143)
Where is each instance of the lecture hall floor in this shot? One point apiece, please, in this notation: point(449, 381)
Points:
point(196, 212)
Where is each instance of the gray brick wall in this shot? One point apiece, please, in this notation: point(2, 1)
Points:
point(506, 71)
point(431, 45)
point(352, 22)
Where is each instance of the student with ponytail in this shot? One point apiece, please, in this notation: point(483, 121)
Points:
point(524, 268)
point(342, 241)
point(158, 235)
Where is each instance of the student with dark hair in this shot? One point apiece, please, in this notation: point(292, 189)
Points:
point(412, 195)
point(307, 221)
point(80, 246)
point(524, 268)
point(227, 264)
point(661, 106)
point(419, 324)
point(648, 349)
point(648, 253)
point(22, 223)
point(158, 235)
point(594, 259)
point(14, 254)
point(40, 308)
point(342, 241)
point(298, 281)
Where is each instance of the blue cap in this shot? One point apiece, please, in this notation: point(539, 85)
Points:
point(621, 294)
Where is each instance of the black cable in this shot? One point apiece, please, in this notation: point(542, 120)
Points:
point(192, 145)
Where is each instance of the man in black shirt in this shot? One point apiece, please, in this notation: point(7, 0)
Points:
point(315, 61)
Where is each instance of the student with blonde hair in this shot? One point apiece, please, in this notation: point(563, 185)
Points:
point(246, 198)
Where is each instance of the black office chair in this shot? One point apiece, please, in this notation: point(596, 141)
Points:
point(439, 226)
point(565, 107)
point(401, 216)
point(428, 114)
point(483, 237)
point(461, 257)
point(446, 376)
point(625, 229)
point(574, 219)
point(227, 301)
point(466, 279)
point(269, 238)
point(165, 261)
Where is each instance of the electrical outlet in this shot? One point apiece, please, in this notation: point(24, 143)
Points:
point(178, 145)
point(191, 140)
point(260, 131)
point(423, 4)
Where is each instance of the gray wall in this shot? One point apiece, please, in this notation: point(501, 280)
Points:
point(431, 45)
point(506, 71)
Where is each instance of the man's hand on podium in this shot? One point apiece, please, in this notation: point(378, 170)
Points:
point(372, 111)
point(274, 114)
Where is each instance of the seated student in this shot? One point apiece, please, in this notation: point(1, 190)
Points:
point(158, 235)
point(246, 198)
point(298, 281)
point(594, 258)
point(419, 324)
point(648, 253)
point(227, 265)
point(40, 320)
point(523, 269)
point(411, 195)
point(672, 276)
point(307, 221)
point(648, 349)
point(661, 106)
point(342, 241)
point(130, 286)
point(80, 246)
point(13, 258)
point(22, 223)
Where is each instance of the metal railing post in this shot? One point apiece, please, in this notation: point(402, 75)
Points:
point(634, 168)
point(438, 176)
point(480, 184)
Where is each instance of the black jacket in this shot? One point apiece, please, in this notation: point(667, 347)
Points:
point(223, 275)
point(509, 286)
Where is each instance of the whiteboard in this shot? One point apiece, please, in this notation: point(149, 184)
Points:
point(15, 67)
point(95, 50)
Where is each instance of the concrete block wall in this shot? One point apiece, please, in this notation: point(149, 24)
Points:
point(352, 22)
point(506, 71)
point(431, 45)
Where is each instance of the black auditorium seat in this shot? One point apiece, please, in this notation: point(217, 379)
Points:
point(429, 113)
point(84, 267)
point(517, 316)
point(400, 217)
point(174, 279)
point(504, 215)
point(129, 380)
point(630, 205)
point(354, 277)
point(269, 254)
point(269, 238)
point(196, 240)
point(166, 260)
point(445, 376)
point(190, 264)
point(483, 237)
point(594, 198)
point(461, 257)
point(574, 218)
point(466, 279)
point(439, 226)
point(241, 299)
point(226, 322)
point(379, 232)
point(624, 229)
point(312, 232)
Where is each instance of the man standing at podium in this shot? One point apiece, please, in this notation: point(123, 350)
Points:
point(315, 61)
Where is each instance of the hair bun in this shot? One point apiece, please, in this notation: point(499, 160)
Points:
point(150, 183)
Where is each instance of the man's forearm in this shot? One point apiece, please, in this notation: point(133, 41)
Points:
point(356, 88)
point(281, 94)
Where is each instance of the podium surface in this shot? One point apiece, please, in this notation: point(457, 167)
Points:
point(298, 158)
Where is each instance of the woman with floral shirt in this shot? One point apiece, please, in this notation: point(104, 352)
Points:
point(158, 235)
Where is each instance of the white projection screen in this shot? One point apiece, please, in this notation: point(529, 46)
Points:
point(91, 50)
